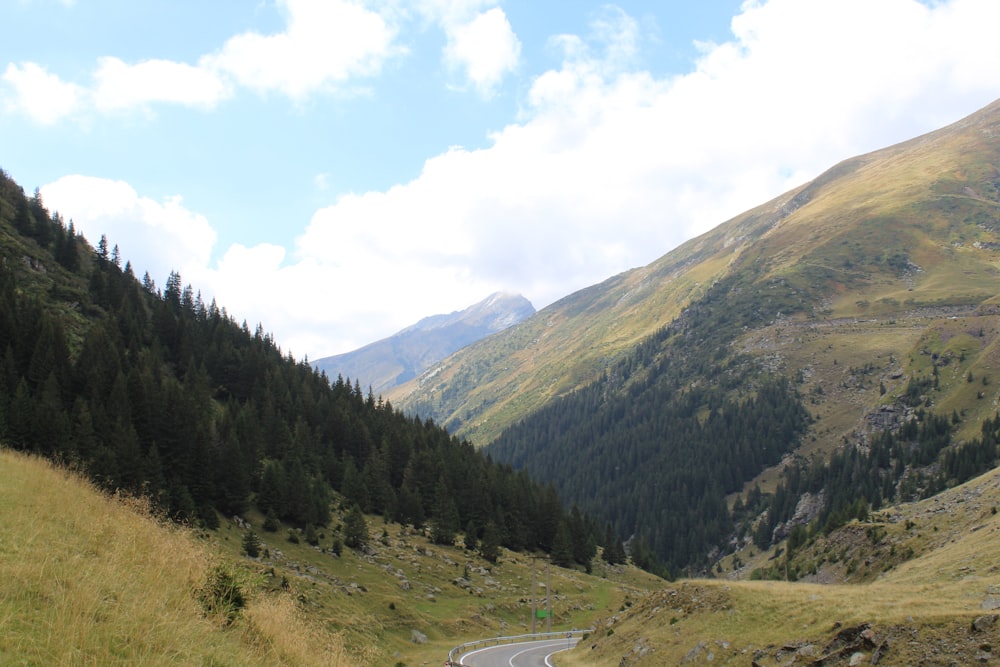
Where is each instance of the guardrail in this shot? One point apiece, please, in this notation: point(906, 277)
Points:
point(515, 639)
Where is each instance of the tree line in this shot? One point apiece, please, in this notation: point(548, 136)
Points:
point(918, 460)
point(159, 393)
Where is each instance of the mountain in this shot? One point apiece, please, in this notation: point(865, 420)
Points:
point(877, 236)
point(841, 339)
point(156, 392)
point(391, 361)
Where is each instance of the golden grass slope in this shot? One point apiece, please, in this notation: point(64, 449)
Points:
point(88, 580)
point(936, 607)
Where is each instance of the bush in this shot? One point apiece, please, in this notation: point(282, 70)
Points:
point(224, 593)
point(251, 544)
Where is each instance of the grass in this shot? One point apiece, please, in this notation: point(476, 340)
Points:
point(88, 579)
point(922, 608)
point(91, 580)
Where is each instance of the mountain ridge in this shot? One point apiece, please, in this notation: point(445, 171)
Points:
point(568, 343)
point(386, 363)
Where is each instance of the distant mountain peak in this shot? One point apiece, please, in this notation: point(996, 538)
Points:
point(391, 361)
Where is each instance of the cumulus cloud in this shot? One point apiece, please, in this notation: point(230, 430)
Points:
point(485, 49)
point(120, 86)
point(325, 42)
point(156, 236)
point(608, 167)
point(42, 96)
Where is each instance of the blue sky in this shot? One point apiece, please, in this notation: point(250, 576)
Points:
point(338, 169)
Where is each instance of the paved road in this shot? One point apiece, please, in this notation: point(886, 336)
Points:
point(524, 654)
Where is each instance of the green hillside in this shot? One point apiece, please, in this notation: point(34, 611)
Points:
point(91, 578)
point(156, 392)
point(914, 585)
point(868, 296)
point(879, 240)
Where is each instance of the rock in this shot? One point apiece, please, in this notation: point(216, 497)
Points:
point(418, 637)
point(990, 602)
point(984, 623)
point(880, 652)
point(693, 654)
point(807, 651)
point(856, 659)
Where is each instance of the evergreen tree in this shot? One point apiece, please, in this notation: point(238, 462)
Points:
point(355, 528)
point(471, 540)
point(562, 546)
point(251, 544)
point(489, 546)
point(445, 520)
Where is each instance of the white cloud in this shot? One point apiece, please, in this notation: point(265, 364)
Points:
point(610, 168)
point(325, 43)
point(157, 237)
point(607, 168)
point(42, 96)
point(484, 48)
point(120, 86)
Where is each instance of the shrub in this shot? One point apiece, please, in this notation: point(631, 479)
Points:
point(224, 593)
point(251, 544)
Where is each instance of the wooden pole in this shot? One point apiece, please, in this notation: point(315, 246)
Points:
point(548, 599)
point(533, 606)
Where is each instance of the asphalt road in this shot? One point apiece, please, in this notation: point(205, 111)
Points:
point(524, 654)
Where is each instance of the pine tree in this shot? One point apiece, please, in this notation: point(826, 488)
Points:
point(562, 546)
point(445, 519)
point(489, 546)
point(251, 544)
point(471, 540)
point(355, 528)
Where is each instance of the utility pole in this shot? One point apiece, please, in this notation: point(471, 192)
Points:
point(533, 606)
point(548, 599)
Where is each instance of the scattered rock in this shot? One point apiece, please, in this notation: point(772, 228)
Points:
point(693, 654)
point(880, 652)
point(985, 623)
point(990, 602)
point(418, 637)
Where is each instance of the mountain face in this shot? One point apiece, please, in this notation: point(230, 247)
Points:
point(907, 231)
point(391, 361)
point(841, 341)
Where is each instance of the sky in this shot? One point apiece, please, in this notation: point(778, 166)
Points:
point(335, 170)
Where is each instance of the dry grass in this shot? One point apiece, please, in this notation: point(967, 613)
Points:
point(88, 580)
point(922, 609)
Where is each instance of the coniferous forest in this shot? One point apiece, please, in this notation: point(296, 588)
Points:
point(156, 392)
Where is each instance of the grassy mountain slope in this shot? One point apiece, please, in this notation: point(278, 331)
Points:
point(90, 579)
point(87, 579)
point(874, 256)
point(926, 590)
